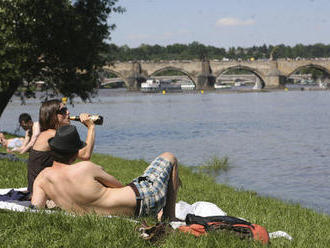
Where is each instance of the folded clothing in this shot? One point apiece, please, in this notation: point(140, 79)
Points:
point(15, 195)
point(200, 208)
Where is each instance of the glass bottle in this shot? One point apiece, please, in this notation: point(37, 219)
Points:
point(97, 119)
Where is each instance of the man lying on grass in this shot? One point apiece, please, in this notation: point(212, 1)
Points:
point(85, 187)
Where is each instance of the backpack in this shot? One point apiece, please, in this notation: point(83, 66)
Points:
point(197, 226)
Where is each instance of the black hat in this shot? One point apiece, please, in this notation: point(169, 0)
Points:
point(66, 140)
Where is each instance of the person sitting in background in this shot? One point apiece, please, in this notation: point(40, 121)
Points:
point(86, 188)
point(52, 115)
point(12, 144)
point(32, 131)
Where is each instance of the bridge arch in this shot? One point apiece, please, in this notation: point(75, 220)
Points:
point(246, 68)
point(118, 74)
point(171, 68)
point(319, 67)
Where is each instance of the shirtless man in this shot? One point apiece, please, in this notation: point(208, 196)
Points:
point(86, 188)
point(22, 145)
point(32, 131)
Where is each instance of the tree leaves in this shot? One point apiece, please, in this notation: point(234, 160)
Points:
point(59, 42)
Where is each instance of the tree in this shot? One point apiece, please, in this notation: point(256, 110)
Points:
point(59, 42)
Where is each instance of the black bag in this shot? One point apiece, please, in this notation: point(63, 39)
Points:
point(242, 228)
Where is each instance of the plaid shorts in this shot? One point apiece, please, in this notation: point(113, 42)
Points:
point(152, 187)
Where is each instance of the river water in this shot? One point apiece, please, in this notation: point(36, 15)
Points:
point(278, 143)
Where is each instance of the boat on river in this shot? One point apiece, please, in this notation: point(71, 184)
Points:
point(151, 85)
point(323, 85)
point(169, 85)
point(239, 83)
point(155, 85)
point(188, 86)
point(222, 86)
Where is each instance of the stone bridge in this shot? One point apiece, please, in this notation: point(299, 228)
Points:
point(204, 73)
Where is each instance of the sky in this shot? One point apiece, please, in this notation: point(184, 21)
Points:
point(222, 23)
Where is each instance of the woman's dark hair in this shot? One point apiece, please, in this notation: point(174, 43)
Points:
point(48, 114)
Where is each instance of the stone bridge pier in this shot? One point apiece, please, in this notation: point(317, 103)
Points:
point(135, 77)
point(205, 79)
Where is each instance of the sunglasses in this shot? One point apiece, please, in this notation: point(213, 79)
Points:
point(62, 111)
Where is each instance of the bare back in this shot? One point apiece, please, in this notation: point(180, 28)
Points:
point(41, 143)
point(84, 188)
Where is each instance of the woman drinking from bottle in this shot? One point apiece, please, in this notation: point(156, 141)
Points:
point(52, 115)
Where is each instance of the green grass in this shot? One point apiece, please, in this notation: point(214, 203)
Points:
point(307, 227)
point(214, 166)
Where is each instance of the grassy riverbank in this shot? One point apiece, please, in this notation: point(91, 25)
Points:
point(308, 228)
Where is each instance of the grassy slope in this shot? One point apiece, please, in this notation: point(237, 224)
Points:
point(308, 228)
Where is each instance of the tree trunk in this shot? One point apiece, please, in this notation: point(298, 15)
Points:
point(7, 93)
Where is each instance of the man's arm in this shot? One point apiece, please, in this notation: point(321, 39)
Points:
point(39, 196)
point(35, 134)
point(26, 140)
point(104, 178)
point(86, 152)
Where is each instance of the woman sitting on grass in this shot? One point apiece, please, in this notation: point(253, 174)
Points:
point(52, 115)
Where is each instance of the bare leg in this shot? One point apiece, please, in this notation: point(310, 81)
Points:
point(172, 189)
